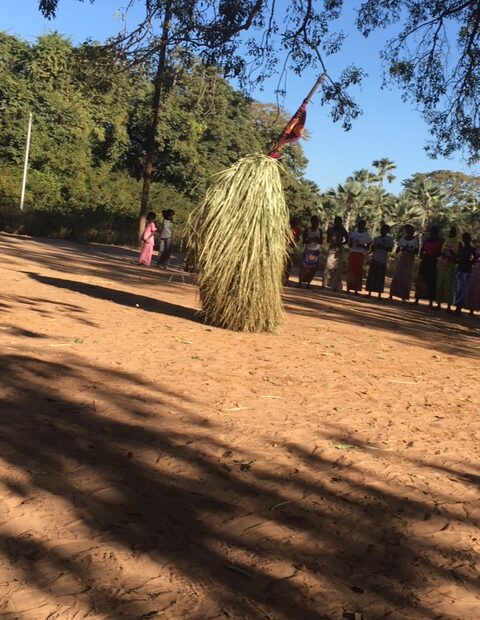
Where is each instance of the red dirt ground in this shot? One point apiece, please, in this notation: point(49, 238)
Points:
point(154, 467)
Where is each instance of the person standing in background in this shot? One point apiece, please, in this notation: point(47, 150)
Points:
point(465, 258)
point(148, 240)
point(337, 237)
point(426, 285)
point(381, 247)
point(312, 238)
point(359, 245)
point(472, 297)
point(166, 238)
point(407, 249)
point(447, 270)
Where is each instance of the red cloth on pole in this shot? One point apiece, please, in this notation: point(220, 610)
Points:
point(293, 131)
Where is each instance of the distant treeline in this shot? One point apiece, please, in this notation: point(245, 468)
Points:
point(90, 112)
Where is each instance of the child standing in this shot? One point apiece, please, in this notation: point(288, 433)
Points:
point(148, 240)
point(166, 235)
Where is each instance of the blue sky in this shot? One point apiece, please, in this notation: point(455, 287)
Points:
point(387, 128)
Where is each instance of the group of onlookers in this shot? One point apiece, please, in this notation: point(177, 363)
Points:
point(448, 273)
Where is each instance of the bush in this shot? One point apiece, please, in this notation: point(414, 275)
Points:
point(97, 225)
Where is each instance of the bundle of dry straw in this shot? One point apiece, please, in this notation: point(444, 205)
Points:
point(239, 238)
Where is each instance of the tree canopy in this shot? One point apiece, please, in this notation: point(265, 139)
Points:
point(90, 109)
point(433, 54)
point(442, 197)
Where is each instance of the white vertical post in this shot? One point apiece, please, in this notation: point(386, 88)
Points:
point(25, 166)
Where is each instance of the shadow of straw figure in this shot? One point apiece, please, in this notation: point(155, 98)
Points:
point(123, 298)
point(135, 491)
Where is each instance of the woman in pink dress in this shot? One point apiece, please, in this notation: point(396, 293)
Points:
point(148, 239)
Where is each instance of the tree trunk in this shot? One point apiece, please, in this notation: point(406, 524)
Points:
point(151, 134)
point(348, 218)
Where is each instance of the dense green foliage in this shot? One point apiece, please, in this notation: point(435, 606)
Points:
point(442, 197)
point(81, 102)
point(88, 138)
point(88, 145)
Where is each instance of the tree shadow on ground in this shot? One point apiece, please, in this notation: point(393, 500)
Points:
point(120, 501)
point(442, 333)
point(46, 308)
point(113, 263)
point(438, 330)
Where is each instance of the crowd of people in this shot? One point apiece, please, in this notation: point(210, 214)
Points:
point(448, 271)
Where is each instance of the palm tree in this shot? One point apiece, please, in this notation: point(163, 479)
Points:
point(404, 210)
point(350, 199)
point(381, 210)
point(384, 167)
point(429, 197)
point(470, 211)
point(363, 176)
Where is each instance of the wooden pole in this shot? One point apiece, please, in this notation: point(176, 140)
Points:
point(25, 165)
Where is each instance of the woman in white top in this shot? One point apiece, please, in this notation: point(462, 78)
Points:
point(166, 235)
point(407, 249)
point(381, 247)
point(337, 237)
point(359, 241)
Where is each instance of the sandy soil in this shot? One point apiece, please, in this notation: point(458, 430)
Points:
point(154, 467)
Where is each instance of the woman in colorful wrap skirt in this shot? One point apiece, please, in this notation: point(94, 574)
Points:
point(312, 238)
point(426, 285)
point(359, 245)
point(407, 249)
point(447, 270)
